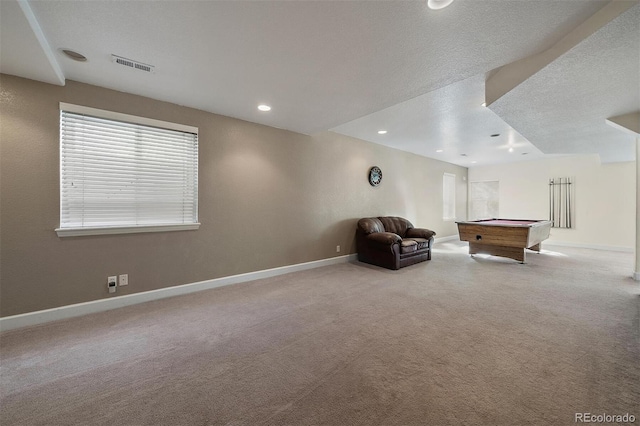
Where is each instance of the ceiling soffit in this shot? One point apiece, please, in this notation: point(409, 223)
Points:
point(563, 107)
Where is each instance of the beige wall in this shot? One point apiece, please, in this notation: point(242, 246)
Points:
point(267, 198)
point(605, 202)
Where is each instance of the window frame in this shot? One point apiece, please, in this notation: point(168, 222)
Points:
point(473, 188)
point(452, 194)
point(125, 229)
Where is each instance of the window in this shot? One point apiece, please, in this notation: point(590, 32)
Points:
point(449, 196)
point(484, 200)
point(122, 174)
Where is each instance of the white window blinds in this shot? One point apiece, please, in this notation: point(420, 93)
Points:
point(120, 173)
point(484, 200)
point(449, 196)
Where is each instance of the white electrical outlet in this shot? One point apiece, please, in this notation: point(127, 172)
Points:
point(112, 283)
point(123, 279)
point(337, 249)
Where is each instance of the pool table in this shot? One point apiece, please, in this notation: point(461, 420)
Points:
point(504, 237)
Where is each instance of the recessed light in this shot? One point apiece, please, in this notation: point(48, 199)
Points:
point(74, 55)
point(438, 150)
point(495, 135)
point(511, 149)
point(474, 162)
point(264, 108)
point(438, 4)
point(382, 132)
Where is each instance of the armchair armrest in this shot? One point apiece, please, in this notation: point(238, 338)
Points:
point(420, 233)
point(384, 238)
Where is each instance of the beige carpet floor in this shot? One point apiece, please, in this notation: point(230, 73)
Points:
point(453, 341)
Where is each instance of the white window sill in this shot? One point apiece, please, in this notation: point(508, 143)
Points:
point(109, 230)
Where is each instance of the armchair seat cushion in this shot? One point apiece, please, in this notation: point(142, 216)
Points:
point(421, 242)
point(392, 242)
point(408, 246)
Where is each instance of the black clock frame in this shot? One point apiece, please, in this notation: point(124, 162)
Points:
point(373, 173)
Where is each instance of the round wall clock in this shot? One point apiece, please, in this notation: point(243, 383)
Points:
point(375, 176)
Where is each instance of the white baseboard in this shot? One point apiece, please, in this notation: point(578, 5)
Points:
point(636, 276)
point(587, 246)
point(70, 311)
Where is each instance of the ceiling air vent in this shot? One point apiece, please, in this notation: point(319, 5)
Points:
point(132, 64)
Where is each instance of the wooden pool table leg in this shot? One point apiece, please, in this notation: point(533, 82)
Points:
point(515, 253)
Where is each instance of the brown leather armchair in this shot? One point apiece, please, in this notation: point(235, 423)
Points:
point(392, 242)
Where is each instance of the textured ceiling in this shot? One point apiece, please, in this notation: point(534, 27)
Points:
point(322, 65)
point(602, 75)
point(450, 119)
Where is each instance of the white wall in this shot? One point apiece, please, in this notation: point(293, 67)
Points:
point(605, 197)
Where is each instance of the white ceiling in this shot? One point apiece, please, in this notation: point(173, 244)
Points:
point(353, 67)
point(453, 120)
point(568, 99)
